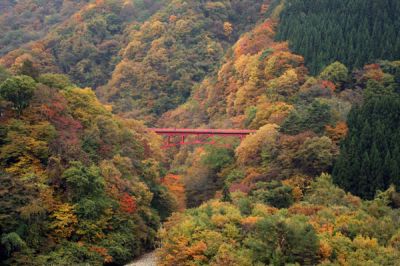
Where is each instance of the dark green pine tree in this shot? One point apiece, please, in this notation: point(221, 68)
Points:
point(364, 182)
point(312, 117)
point(376, 170)
point(226, 194)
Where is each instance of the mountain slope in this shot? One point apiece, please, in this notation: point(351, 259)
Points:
point(25, 21)
point(255, 63)
point(85, 183)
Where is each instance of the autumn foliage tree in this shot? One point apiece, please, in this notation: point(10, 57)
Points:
point(175, 185)
point(127, 204)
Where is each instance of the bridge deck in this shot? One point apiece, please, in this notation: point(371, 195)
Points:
point(191, 131)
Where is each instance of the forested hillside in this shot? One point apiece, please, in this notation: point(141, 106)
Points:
point(301, 118)
point(274, 206)
point(84, 182)
point(177, 47)
point(354, 32)
point(370, 155)
point(78, 185)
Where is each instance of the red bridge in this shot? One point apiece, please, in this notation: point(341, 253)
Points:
point(188, 136)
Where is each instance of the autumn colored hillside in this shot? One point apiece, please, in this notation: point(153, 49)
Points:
point(173, 51)
point(75, 179)
point(83, 182)
point(272, 200)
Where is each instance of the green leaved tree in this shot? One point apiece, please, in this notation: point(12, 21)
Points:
point(18, 90)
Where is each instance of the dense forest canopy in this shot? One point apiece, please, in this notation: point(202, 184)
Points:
point(354, 32)
point(85, 44)
point(84, 182)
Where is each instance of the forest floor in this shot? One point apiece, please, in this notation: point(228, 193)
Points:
point(148, 259)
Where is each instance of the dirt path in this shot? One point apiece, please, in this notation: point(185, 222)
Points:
point(148, 259)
